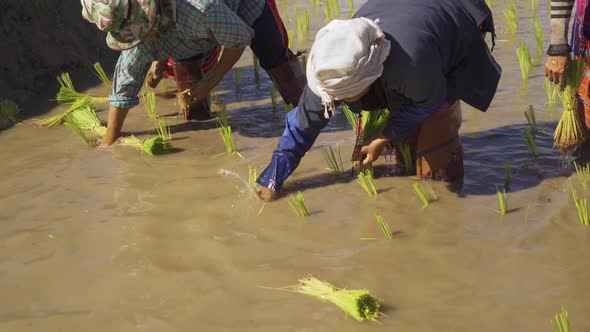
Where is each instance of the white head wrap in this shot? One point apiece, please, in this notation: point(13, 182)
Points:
point(346, 57)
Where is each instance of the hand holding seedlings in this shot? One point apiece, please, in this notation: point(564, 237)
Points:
point(373, 150)
point(556, 67)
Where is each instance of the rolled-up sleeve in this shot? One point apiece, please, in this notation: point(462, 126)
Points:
point(226, 27)
point(130, 72)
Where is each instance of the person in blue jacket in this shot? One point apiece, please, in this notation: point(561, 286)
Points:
point(416, 58)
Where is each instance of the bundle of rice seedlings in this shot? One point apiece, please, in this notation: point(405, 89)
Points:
point(256, 64)
point(252, 176)
point(86, 119)
point(8, 111)
point(350, 116)
point(511, 16)
point(237, 78)
point(225, 130)
point(333, 159)
point(358, 304)
point(539, 36)
point(582, 207)
point(501, 201)
point(68, 95)
point(152, 146)
point(101, 73)
point(373, 123)
point(507, 175)
point(75, 127)
point(297, 205)
point(531, 119)
point(57, 119)
point(524, 60)
point(406, 154)
point(561, 322)
point(426, 197)
point(570, 132)
point(365, 179)
point(583, 173)
point(273, 97)
point(149, 99)
point(384, 226)
point(529, 140)
point(551, 91)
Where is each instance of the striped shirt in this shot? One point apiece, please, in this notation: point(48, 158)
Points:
point(561, 11)
point(200, 26)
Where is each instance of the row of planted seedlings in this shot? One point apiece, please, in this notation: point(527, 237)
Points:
point(82, 119)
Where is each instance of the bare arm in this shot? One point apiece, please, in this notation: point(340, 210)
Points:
point(559, 50)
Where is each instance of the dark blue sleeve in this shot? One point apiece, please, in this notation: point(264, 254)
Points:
point(302, 126)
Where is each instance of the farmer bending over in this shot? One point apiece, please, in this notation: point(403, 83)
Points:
point(416, 58)
point(187, 31)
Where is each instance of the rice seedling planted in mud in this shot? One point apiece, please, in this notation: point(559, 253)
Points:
point(539, 36)
point(332, 10)
point(237, 78)
point(290, 35)
point(365, 179)
point(561, 322)
point(583, 173)
point(502, 203)
point(524, 60)
point(273, 97)
point(256, 64)
point(551, 91)
point(57, 119)
point(225, 129)
point(297, 205)
point(529, 140)
point(333, 159)
point(8, 112)
point(570, 132)
point(384, 226)
point(582, 208)
point(426, 197)
point(511, 16)
point(507, 176)
point(252, 175)
point(101, 73)
point(406, 154)
point(149, 100)
point(358, 304)
point(531, 119)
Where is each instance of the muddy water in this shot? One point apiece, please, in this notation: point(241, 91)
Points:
point(95, 240)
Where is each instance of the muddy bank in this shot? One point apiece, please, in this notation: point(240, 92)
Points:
point(40, 39)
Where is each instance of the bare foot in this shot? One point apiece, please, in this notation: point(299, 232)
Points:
point(266, 194)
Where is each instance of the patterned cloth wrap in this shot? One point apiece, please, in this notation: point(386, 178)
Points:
point(129, 21)
point(581, 29)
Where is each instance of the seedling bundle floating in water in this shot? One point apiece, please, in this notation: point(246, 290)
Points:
point(358, 304)
point(8, 113)
point(68, 95)
point(57, 119)
point(570, 132)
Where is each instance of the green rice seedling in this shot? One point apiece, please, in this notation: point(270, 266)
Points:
point(366, 180)
point(539, 36)
point(582, 207)
point(237, 78)
point(426, 197)
point(149, 100)
point(384, 226)
point(534, 7)
point(511, 16)
point(374, 122)
point(406, 154)
point(8, 113)
point(358, 304)
point(297, 205)
point(551, 91)
point(213, 96)
point(350, 116)
point(570, 132)
point(333, 159)
point(529, 140)
point(86, 119)
point(583, 173)
point(334, 8)
point(288, 108)
point(351, 5)
point(561, 322)
point(306, 20)
point(225, 130)
point(252, 175)
point(300, 28)
point(101, 73)
point(290, 35)
point(489, 3)
point(503, 205)
point(524, 60)
point(75, 127)
point(65, 80)
point(256, 64)
point(273, 97)
point(57, 119)
point(531, 119)
point(507, 176)
point(284, 12)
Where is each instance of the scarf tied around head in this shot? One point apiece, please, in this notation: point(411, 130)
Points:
point(346, 58)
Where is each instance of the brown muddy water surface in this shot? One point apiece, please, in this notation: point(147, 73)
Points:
point(95, 240)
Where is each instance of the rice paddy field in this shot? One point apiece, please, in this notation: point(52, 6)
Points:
point(115, 240)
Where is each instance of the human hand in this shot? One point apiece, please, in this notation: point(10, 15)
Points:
point(373, 150)
point(556, 67)
point(266, 194)
point(155, 73)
